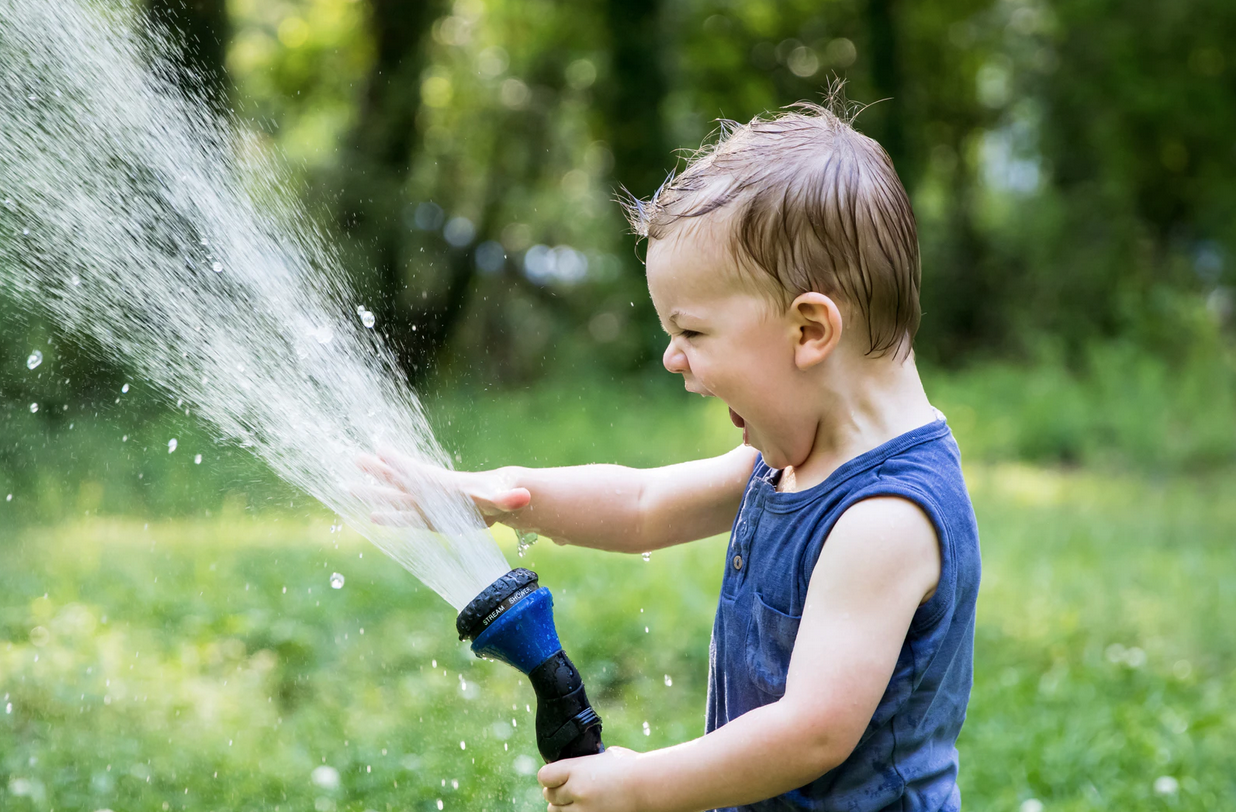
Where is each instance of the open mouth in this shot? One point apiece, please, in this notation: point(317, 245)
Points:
point(737, 420)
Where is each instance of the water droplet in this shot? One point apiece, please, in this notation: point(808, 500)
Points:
point(171, 445)
point(9, 709)
point(463, 745)
point(668, 680)
point(34, 407)
point(336, 582)
point(325, 776)
point(25, 232)
point(439, 803)
point(1166, 785)
point(645, 630)
point(124, 389)
point(34, 360)
point(647, 556)
point(9, 498)
point(524, 540)
point(75, 280)
point(367, 319)
point(1031, 805)
point(197, 459)
point(647, 729)
point(217, 267)
point(454, 783)
point(433, 663)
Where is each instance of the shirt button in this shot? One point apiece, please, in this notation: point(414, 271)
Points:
point(738, 562)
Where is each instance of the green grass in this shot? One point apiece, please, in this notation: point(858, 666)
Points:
point(165, 664)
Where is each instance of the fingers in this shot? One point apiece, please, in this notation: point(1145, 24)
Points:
point(408, 476)
point(509, 501)
point(376, 494)
point(407, 466)
point(553, 775)
point(398, 508)
point(556, 796)
point(398, 518)
point(378, 469)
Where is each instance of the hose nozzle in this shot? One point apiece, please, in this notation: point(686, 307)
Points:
point(512, 620)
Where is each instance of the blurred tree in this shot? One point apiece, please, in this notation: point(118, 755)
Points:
point(1070, 167)
point(634, 94)
point(1136, 110)
point(372, 180)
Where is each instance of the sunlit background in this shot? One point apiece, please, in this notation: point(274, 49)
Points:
point(170, 633)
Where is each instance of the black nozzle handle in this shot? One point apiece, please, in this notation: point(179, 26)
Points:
point(566, 725)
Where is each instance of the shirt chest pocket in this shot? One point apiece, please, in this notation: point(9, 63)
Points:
point(770, 642)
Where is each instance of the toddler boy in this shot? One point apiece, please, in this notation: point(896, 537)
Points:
point(784, 265)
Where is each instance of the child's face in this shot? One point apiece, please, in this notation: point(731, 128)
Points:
point(727, 340)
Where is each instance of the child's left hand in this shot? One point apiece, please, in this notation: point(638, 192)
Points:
point(600, 783)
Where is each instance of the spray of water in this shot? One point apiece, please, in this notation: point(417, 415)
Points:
point(135, 218)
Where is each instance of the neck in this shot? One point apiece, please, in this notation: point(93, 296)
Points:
point(881, 398)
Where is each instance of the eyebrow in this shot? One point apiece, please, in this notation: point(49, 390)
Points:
point(675, 313)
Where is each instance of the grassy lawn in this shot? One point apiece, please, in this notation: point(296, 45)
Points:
point(207, 664)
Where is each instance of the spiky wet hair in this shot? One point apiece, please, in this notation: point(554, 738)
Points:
point(812, 205)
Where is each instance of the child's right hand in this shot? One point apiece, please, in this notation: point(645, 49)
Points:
point(493, 492)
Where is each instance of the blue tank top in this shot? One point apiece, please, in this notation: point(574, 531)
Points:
point(907, 758)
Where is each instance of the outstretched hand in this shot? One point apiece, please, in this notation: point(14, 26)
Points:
point(396, 499)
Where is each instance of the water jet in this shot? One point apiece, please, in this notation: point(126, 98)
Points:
point(158, 232)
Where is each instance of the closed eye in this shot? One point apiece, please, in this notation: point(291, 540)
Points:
point(688, 334)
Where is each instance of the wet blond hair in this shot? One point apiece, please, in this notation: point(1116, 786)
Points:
point(813, 204)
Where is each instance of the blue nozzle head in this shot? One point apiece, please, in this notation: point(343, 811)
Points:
point(524, 636)
point(513, 621)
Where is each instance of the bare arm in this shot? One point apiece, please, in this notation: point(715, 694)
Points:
point(607, 507)
point(633, 510)
point(880, 563)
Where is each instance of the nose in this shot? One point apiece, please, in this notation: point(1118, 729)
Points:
point(674, 359)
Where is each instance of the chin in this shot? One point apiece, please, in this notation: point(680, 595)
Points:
point(774, 462)
point(775, 459)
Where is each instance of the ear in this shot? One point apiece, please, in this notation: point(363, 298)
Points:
point(817, 325)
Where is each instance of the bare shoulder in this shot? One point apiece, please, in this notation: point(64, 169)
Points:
point(886, 539)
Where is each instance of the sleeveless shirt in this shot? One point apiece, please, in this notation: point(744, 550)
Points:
point(906, 759)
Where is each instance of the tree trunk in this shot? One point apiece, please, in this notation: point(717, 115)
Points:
point(886, 75)
point(634, 96)
point(371, 191)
